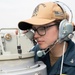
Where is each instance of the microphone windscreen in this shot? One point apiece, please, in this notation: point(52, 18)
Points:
point(40, 53)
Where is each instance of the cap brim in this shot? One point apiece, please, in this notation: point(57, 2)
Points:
point(27, 24)
point(24, 26)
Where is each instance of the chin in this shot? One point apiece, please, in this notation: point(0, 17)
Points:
point(43, 47)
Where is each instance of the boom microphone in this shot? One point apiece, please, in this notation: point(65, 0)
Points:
point(40, 53)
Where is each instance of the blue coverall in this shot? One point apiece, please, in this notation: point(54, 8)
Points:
point(68, 64)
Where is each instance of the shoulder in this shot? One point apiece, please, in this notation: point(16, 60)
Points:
point(70, 54)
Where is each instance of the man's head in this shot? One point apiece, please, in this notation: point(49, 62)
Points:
point(45, 22)
point(44, 13)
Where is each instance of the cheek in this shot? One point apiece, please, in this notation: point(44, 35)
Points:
point(51, 37)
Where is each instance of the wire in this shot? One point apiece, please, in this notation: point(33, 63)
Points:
point(62, 58)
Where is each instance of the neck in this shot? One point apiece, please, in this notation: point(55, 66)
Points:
point(57, 51)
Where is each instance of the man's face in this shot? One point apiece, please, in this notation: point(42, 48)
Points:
point(45, 35)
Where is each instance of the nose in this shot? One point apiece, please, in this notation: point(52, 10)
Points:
point(36, 35)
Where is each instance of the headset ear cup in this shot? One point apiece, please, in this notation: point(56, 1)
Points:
point(65, 28)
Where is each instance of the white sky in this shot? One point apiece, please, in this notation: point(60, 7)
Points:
point(13, 11)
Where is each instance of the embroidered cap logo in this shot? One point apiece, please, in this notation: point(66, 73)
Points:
point(58, 14)
point(35, 12)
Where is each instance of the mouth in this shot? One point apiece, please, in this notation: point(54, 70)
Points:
point(40, 42)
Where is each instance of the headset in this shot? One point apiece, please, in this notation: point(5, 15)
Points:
point(65, 29)
point(66, 25)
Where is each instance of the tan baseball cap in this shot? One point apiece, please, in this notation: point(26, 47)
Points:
point(44, 13)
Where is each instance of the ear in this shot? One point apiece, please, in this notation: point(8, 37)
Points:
point(65, 28)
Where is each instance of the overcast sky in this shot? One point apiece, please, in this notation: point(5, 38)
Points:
point(13, 11)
